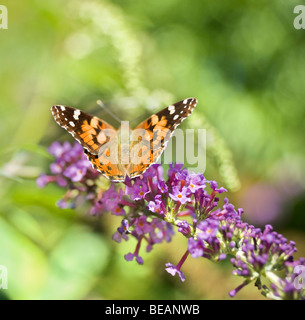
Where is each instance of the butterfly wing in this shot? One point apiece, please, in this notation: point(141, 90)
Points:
point(96, 136)
point(85, 128)
point(158, 131)
point(112, 171)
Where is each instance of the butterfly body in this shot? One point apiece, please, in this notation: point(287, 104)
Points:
point(124, 152)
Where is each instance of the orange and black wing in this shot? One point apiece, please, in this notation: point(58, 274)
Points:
point(157, 131)
point(87, 129)
point(111, 170)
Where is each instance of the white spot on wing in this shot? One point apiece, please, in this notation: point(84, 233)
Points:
point(62, 108)
point(71, 123)
point(76, 114)
point(176, 117)
point(171, 109)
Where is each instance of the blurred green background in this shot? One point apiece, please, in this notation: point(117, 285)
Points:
point(243, 61)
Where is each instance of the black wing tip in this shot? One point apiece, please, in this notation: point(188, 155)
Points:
point(188, 101)
point(61, 106)
point(192, 100)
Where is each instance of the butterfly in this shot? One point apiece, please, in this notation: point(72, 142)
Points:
point(124, 152)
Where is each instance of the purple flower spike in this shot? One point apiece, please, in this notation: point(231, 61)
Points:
point(152, 206)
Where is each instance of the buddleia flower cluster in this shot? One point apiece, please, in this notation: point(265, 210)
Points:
point(155, 205)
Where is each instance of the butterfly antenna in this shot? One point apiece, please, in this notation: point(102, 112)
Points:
point(101, 104)
point(141, 116)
